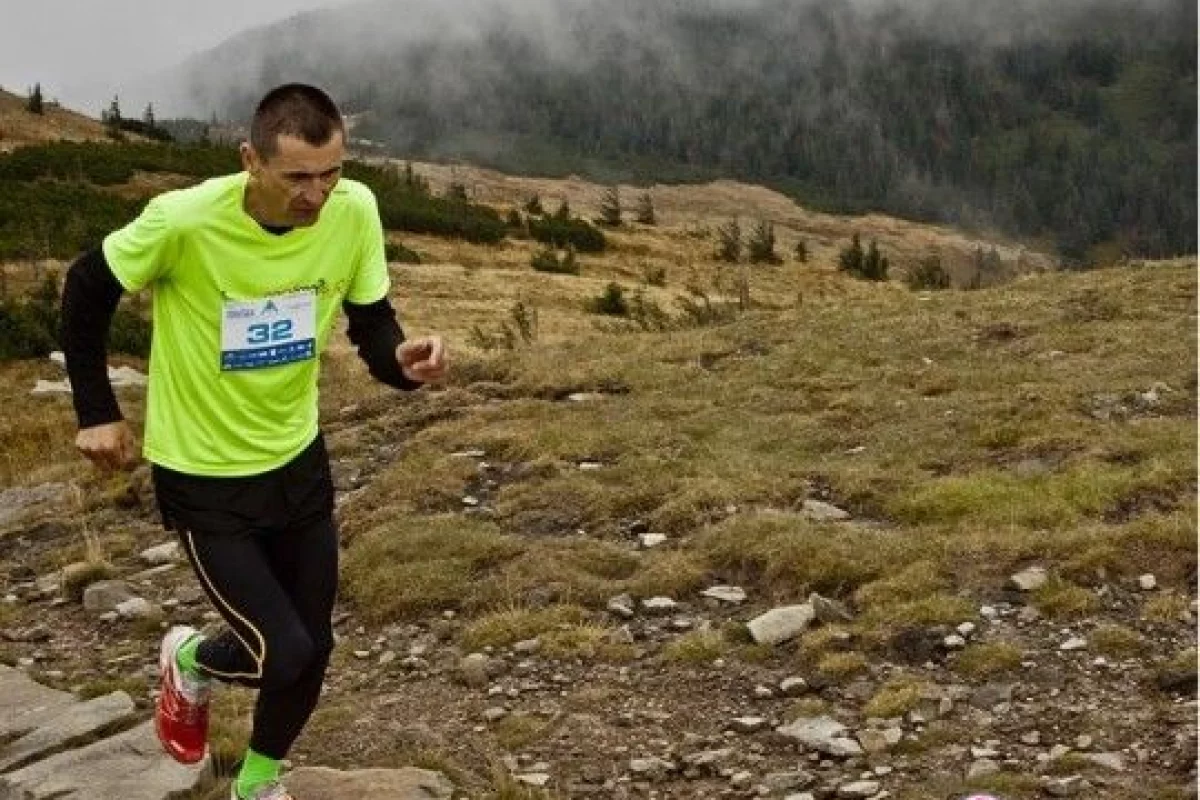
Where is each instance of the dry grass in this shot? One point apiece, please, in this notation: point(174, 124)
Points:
point(696, 647)
point(968, 433)
point(1116, 641)
point(502, 628)
point(988, 659)
point(1063, 600)
point(895, 698)
point(1166, 608)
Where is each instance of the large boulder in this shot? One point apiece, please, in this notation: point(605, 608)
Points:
point(322, 783)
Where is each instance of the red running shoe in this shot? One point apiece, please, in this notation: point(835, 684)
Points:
point(181, 713)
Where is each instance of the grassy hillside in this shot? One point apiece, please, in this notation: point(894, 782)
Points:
point(1048, 422)
point(19, 128)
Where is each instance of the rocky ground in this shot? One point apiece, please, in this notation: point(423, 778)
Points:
point(1068, 712)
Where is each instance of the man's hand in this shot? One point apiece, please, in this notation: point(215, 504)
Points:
point(422, 359)
point(111, 446)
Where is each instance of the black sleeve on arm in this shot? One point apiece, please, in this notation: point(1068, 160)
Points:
point(90, 296)
point(376, 333)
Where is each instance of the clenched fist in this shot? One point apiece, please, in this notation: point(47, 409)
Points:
point(110, 446)
point(422, 359)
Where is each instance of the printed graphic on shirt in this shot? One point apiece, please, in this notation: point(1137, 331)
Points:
point(268, 332)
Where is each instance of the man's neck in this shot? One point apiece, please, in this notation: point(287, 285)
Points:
point(251, 207)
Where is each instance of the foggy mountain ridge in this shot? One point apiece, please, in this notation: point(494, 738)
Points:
point(920, 109)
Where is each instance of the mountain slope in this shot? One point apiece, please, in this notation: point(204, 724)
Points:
point(20, 127)
point(1072, 123)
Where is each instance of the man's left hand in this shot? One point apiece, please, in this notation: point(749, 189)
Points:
point(422, 359)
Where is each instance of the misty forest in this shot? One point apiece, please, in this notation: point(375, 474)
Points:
point(1070, 125)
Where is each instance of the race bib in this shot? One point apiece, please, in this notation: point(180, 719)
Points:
point(268, 332)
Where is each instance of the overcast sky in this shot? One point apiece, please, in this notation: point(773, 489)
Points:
point(80, 50)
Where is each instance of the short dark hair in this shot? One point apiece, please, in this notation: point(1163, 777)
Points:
point(294, 109)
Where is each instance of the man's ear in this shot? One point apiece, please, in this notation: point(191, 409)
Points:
point(250, 159)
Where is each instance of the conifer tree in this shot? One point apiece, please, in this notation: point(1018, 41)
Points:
point(645, 210)
point(36, 105)
point(610, 207)
point(729, 242)
point(762, 244)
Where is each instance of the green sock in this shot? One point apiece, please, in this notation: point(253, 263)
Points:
point(257, 770)
point(185, 657)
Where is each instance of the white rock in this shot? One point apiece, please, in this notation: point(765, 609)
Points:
point(829, 611)
point(823, 734)
point(818, 511)
point(981, 767)
point(125, 376)
point(741, 780)
point(103, 596)
point(726, 594)
point(167, 553)
point(1147, 582)
point(1113, 761)
point(966, 629)
point(954, 642)
point(648, 541)
point(747, 724)
point(650, 766)
point(781, 624)
point(793, 686)
point(1027, 580)
point(135, 608)
point(1074, 643)
point(659, 605)
point(860, 790)
point(535, 779)
point(621, 605)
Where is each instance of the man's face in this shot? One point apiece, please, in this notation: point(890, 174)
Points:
point(291, 186)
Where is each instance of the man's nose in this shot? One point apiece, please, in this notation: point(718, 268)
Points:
point(314, 193)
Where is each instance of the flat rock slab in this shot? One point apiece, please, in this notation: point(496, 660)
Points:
point(322, 783)
point(129, 766)
point(25, 705)
point(75, 722)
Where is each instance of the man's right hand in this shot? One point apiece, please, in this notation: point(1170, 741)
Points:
point(111, 446)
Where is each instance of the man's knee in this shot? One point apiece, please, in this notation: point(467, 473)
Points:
point(290, 658)
point(287, 658)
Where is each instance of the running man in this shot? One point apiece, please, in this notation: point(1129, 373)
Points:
point(248, 273)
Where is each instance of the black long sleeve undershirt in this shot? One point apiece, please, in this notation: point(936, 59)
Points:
point(90, 296)
point(91, 293)
point(375, 332)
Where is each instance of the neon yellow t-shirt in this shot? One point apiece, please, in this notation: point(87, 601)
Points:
point(241, 316)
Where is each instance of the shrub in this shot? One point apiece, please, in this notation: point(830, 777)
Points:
point(729, 242)
point(611, 302)
point(762, 244)
point(394, 251)
point(871, 265)
point(559, 232)
point(928, 275)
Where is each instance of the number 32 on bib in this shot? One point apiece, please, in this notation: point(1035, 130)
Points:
point(268, 332)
